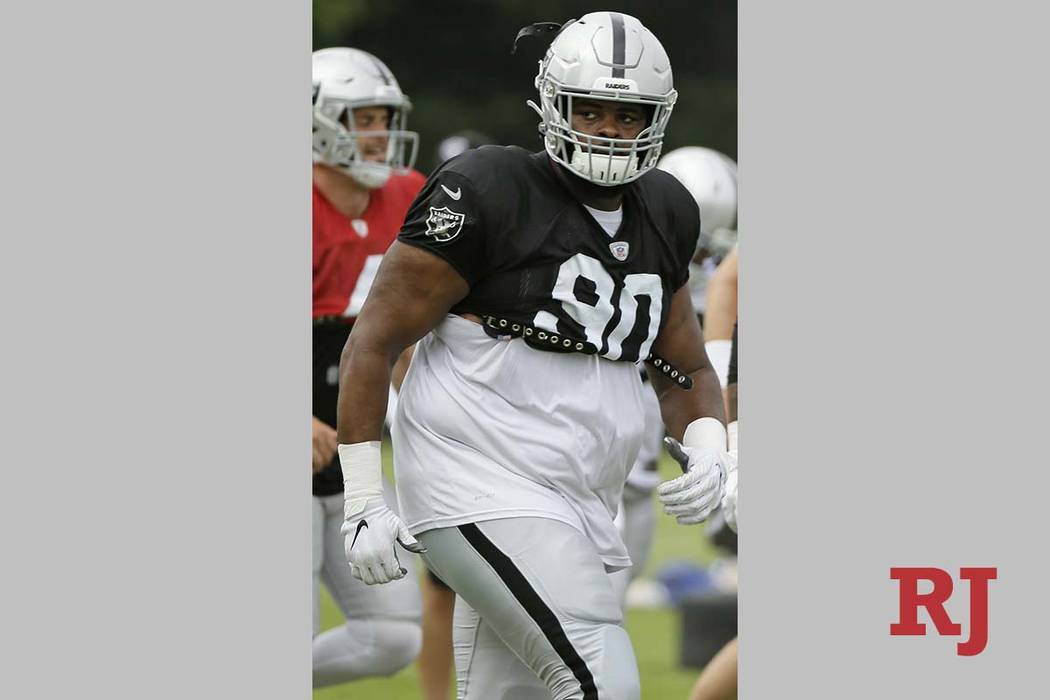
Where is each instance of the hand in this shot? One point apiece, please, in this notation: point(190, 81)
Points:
point(324, 444)
point(693, 496)
point(369, 539)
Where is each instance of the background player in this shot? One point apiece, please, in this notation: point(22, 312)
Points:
point(718, 681)
point(362, 187)
point(511, 457)
point(710, 177)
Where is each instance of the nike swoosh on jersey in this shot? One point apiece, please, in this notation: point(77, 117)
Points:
point(362, 524)
point(454, 195)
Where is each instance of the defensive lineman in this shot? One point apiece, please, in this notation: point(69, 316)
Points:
point(363, 185)
point(541, 279)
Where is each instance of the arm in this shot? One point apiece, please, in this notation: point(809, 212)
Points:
point(730, 499)
point(412, 292)
point(682, 344)
point(721, 300)
point(695, 416)
point(324, 444)
point(720, 314)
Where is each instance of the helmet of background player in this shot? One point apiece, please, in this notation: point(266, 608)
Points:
point(710, 177)
point(348, 79)
point(604, 56)
point(451, 146)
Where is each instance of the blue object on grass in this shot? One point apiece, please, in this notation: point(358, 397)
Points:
point(684, 579)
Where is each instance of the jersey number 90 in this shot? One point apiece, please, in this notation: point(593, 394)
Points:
point(595, 310)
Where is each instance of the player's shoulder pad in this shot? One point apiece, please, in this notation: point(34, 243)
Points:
point(486, 165)
point(489, 179)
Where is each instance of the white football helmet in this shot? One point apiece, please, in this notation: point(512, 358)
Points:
point(710, 177)
point(345, 79)
point(605, 56)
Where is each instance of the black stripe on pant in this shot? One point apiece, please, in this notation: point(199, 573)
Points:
point(534, 606)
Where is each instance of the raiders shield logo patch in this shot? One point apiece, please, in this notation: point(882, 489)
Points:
point(620, 249)
point(444, 224)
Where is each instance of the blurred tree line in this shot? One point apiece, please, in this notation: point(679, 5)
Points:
point(453, 60)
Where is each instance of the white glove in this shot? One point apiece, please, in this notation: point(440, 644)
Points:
point(729, 500)
point(370, 529)
point(693, 496)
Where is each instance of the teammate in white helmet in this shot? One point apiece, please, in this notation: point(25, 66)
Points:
point(711, 177)
point(362, 186)
point(539, 281)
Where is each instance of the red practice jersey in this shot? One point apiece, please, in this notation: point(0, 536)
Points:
point(347, 252)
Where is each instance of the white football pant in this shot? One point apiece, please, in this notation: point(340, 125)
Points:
point(637, 523)
point(537, 616)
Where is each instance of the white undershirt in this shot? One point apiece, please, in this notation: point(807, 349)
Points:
point(608, 220)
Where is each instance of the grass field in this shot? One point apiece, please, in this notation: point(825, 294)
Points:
point(655, 633)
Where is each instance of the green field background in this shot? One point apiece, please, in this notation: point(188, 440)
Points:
point(655, 633)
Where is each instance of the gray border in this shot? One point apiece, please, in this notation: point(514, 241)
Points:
point(155, 271)
point(892, 167)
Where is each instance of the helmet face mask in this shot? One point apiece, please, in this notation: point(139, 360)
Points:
point(345, 80)
point(607, 57)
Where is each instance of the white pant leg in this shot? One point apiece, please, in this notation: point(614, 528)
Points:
point(318, 559)
point(542, 589)
point(363, 649)
point(382, 632)
point(637, 523)
point(498, 673)
point(639, 513)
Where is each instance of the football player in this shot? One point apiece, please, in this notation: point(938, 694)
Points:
point(710, 177)
point(538, 281)
point(362, 186)
point(455, 144)
point(718, 680)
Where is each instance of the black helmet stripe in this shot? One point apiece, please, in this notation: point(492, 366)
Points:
point(619, 44)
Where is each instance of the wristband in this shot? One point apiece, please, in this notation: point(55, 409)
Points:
point(705, 432)
point(362, 475)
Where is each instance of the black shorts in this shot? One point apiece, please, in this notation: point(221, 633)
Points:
point(328, 341)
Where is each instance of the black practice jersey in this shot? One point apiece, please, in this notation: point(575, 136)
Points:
point(540, 266)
